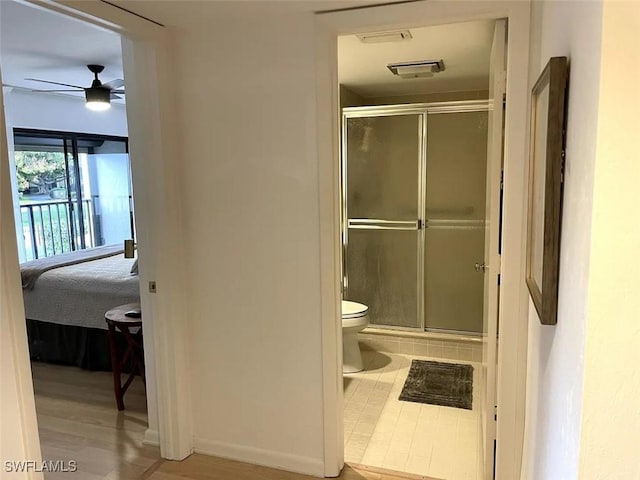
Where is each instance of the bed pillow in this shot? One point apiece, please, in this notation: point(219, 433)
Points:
point(134, 267)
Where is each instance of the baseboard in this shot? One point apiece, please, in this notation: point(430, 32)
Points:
point(257, 456)
point(151, 437)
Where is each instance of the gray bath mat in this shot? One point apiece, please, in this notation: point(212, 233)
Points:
point(446, 384)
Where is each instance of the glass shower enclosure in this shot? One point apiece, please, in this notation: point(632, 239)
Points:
point(413, 184)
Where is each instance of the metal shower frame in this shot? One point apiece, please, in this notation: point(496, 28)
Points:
point(421, 224)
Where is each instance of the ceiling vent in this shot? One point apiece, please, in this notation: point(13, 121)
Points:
point(419, 69)
point(384, 37)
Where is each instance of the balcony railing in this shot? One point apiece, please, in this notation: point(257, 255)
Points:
point(51, 228)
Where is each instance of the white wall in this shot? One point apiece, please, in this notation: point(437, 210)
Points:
point(43, 111)
point(583, 419)
point(251, 211)
point(555, 357)
point(610, 434)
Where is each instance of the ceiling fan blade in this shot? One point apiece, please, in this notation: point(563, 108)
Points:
point(115, 97)
point(54, 83)
point(119, 92)
point(77, 91)
point(113, 84)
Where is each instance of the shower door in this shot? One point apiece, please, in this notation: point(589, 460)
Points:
point(383, 188)
point(456, 204)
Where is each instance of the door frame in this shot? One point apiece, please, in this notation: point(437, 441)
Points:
point(511, 374)
point(150, 109)
point(492, 247)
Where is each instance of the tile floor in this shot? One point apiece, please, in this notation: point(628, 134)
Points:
point(382, 431)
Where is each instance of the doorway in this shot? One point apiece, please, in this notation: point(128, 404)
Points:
point(72, 195)
point(158, 230)
point(419, 224)
point(513, 300)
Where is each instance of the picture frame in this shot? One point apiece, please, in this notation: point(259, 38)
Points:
point(544, 212)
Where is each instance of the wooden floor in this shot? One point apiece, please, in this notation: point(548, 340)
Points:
point(200, 467)
point(78, 420)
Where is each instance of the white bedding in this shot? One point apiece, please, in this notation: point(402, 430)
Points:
point(81, 294)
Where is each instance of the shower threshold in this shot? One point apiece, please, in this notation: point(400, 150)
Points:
point(433, 334)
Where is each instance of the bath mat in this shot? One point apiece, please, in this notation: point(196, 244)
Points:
point(446, 384)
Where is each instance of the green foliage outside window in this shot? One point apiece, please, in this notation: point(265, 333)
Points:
point(42, 171)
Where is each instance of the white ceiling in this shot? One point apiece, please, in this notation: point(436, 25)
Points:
point(40, 44)
point(36, 43)
point(464, 47)
point(183, 13)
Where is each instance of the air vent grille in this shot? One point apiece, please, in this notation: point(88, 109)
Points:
point(418, 69)
point(384, 37)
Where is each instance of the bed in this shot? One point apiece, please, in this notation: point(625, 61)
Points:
point(65, 299)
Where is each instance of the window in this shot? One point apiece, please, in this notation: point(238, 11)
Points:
point(74, 191)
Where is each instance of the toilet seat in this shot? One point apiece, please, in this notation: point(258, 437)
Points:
point(354, 315)
point(353, 309)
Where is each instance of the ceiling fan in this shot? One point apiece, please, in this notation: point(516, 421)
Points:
point(98, 95)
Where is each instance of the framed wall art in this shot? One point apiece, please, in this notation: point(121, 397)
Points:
point(546, 163)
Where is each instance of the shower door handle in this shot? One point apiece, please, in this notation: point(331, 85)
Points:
point(480, 267)
point(379, 224)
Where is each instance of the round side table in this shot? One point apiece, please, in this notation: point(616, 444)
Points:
point(118, 321)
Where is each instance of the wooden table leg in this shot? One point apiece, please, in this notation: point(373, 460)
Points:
point(141, 367)
point(119, 323)
point(115, 364)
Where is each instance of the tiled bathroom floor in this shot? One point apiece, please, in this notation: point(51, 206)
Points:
point(382, 431)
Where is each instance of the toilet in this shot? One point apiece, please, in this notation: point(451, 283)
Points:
point(355, 317)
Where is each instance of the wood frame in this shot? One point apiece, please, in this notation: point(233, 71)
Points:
point(546, 162)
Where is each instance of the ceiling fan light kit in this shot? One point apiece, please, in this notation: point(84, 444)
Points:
point(98, 96)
